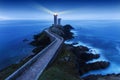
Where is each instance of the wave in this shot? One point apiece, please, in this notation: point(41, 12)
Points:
point(108, 48)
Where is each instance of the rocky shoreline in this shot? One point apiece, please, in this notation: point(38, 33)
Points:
point(73, 60)
point(103, 77)
point(82, 55)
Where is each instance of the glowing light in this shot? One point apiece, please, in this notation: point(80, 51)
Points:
point(55, 13)
point(50, 11)
point(45, 9)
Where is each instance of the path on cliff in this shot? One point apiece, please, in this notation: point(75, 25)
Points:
point(35, 70)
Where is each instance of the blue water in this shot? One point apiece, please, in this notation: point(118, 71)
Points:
point(101, 35)
point(104, 36)
point(12, 33)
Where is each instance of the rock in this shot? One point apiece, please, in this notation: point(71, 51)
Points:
point(98, 65)
point(102, 77)
point(58, 30)
point(63, 31)
point(37, 50)
point(25, 40)
point(93, 66)
point(41, 40)
point(81, 52)
point(74, 43)
point(84, 48)
point(83, 55)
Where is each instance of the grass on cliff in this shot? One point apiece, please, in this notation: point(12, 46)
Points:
point(54, 73)
point(63, 67)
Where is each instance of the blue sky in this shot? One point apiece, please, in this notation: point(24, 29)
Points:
point(74, 9)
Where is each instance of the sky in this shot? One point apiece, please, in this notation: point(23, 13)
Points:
point(66, 9)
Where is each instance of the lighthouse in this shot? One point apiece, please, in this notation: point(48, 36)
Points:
point(55, 19)
point(59, 21)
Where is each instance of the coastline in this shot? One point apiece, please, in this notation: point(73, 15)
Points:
point(76, 58)
point(93, 50)
point(106, 73)
point(5, 72)
point(110, 70)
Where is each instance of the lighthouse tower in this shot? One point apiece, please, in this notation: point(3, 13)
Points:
point(59, 21)
point(55, 19)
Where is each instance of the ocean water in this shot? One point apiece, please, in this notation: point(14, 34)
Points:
point(102, 36)
point(12, 33)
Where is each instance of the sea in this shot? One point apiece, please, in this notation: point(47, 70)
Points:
point(101, 36)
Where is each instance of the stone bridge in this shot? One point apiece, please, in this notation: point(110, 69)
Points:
point(35, 66)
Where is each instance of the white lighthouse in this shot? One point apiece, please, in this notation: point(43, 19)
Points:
point(55, 19)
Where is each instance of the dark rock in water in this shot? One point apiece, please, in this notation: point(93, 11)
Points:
point(98, 65)
point(67, 32)
point(93, 66)
point(81, 52)
point(25, 40)
point(103, 77)
point(83, 55)
point(68, 27)
point(87, 56)
point(84, 48)
point(74, 43)
point(80, 49)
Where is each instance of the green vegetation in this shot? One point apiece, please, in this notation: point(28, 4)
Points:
point(55, 73)
point(63, 67)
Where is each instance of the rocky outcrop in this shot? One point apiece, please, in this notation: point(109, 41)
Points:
point(63, 31)
point(103, 77)
point(82, 53)
point(82, 56)
point(58, 30)
point(67, 32)
point(40, 41)
point(93, 66)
